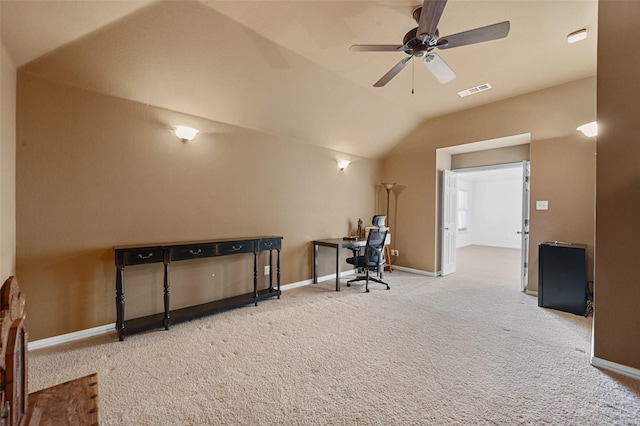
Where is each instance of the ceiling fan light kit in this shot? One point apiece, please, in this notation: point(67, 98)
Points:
point(439, 69)
point(420, 41)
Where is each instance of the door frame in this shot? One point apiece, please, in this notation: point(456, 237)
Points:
point(449, 227)
point(524, 231)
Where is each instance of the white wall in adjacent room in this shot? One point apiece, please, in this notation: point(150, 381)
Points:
point(495, 208)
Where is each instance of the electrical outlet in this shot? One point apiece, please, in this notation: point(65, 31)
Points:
point(397, 252)
point(267, 269)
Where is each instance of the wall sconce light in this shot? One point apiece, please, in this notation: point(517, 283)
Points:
point(589, 129)
point(186, 133)
point(343, 164)
point(577, 36)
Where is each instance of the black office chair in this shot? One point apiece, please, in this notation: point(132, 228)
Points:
point(373, 257)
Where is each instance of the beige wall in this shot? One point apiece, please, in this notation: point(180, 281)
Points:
point(96, 171)
point(617, 292)
point(7, 166)
point(563, 172)
point(550, 114)
point(490, 157)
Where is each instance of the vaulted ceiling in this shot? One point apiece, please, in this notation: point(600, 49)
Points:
point(284, 67)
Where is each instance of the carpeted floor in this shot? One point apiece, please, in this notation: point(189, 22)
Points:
point(469, 348)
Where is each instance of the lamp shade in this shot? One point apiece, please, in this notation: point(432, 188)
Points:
point(186, 133)
point(589, 129)
point(343, 164)
point(388, 185)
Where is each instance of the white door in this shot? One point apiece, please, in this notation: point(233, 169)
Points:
point(524, 232)
point(449, 222)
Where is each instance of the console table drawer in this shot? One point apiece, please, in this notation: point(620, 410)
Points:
point(192, 251)
point(142, 255)
point(236, 247)
point(269, 244)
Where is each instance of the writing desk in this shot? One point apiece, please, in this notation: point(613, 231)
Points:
point(338, 244)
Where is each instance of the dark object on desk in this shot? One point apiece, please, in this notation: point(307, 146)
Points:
point(562, 277)
point(373, 257)
point(173, 252)
point(351, 238)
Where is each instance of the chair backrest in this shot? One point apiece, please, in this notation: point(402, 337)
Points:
point(379, 220)
point(373, 252)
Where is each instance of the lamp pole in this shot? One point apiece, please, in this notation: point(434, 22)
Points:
point(388, 186)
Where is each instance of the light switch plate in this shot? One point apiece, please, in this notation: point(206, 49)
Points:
point(542, 205)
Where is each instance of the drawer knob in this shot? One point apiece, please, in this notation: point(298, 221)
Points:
point(269, 244)
point(192, 251)
point(236, 248)
point(142, 256)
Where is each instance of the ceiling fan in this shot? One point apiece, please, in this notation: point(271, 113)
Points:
point(420, 41)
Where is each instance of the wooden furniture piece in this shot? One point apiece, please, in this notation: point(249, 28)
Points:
point(387, 259)
point(173, 252)
point(562, 277)
point(71, 403)
point(74, 403)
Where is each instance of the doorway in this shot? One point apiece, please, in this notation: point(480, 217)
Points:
point(492, 205)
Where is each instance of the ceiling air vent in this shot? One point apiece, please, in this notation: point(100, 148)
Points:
point(474, 90)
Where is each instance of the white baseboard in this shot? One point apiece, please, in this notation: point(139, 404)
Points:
point(416, 271)
point(331, 277)
point(70, 337)
point(108, 328)
point(625, 370)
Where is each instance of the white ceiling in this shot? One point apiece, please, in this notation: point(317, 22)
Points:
point(284, 67)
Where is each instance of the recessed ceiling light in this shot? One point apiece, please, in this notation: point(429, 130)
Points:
point(577, 36)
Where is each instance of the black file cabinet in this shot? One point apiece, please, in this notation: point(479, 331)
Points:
point(562, 277)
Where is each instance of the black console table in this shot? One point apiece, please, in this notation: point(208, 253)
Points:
point(172, 252)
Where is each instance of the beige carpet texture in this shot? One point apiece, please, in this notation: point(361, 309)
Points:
point(469, 348)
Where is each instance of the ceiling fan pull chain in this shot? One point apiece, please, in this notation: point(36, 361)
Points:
point(413, 73)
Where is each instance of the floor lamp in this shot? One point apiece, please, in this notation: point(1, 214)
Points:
point(387, 256)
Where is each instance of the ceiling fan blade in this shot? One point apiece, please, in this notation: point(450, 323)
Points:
point(439, 68)
point(430, 17)
point(393, 72)
point(479, 35)
point(377, 48)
